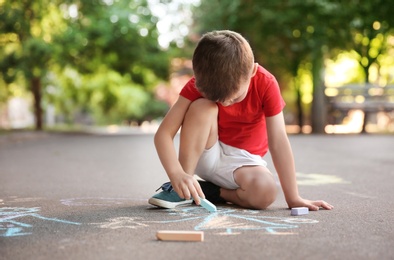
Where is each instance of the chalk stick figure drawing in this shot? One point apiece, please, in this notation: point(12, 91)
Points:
point(226, 221)
point(223, 222)
point(230, 221)
point(11, 225)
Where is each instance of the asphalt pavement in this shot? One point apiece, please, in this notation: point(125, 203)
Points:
point(84, 196)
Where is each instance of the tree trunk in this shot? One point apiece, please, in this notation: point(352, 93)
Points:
point(300, 112)
point(366, 114)
point(318, 115)
point(36, 89)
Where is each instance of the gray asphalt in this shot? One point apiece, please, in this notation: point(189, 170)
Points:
point(84, 196)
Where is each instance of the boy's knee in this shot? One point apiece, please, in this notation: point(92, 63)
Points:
point(267, 195)
point(262, 191)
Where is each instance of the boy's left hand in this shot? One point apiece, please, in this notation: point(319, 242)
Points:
point(311, 205)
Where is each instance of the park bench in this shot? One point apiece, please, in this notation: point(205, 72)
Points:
point(369, 98)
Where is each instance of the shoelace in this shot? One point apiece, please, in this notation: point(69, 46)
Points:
point(166, 187)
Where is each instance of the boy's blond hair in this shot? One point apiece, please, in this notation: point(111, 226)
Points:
point(221, 61)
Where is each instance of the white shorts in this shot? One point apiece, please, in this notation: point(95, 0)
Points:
point(218, 164)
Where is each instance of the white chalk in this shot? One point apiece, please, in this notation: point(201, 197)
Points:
point(206, 204)
point(173, 235)
point(299, 211)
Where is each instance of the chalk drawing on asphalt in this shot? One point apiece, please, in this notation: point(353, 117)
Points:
point(235, 221)
point(11, 224)
point(121, 222)
point(97, 201)
point(316, 179)
point(15, 199)
point(360, 195)
point(226, 221)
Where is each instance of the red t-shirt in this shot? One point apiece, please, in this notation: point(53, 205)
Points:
point(242, 124)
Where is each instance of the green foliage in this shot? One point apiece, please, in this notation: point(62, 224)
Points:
point(113, 97)
point(294, 28)
point(370, 24)
point(101, 57)
point(97, 57)
point(106, 95)
point(119, 34)
point(24, 47)
point(286, 34)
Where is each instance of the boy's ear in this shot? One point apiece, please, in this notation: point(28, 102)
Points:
point(254, 69)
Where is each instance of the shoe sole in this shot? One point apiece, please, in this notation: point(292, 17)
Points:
point(166, 204)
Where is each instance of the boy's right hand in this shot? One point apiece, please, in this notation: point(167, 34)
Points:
point(187, 187)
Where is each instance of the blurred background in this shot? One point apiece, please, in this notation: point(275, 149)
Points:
point(116, 64)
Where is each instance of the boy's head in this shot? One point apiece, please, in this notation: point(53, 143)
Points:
point(222, 62)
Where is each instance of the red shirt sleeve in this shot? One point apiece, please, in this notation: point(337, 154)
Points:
point(190, 91)
point(272, 100)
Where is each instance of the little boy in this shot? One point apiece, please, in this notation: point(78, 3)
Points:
point(230, 114)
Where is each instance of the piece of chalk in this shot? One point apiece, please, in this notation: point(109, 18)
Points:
point(173, 235)
point(299, 211)
point(206, 204)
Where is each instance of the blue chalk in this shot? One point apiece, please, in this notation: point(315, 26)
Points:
point(207, 205)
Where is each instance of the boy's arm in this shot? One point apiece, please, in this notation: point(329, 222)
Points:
point(282, 157)
point(184, 184)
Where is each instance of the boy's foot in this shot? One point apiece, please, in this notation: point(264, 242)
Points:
point(167, 198)
point(211, 192)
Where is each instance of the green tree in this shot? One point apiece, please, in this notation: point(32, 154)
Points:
point(370, 24)
point(120, 34)
point(26, 50)
point(107, 40)
point(41, 41)
point(288, 34)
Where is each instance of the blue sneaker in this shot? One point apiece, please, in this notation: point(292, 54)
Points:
point(167, 198)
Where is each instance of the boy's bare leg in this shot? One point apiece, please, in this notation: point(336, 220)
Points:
point(257, 188)
point(199, 132)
